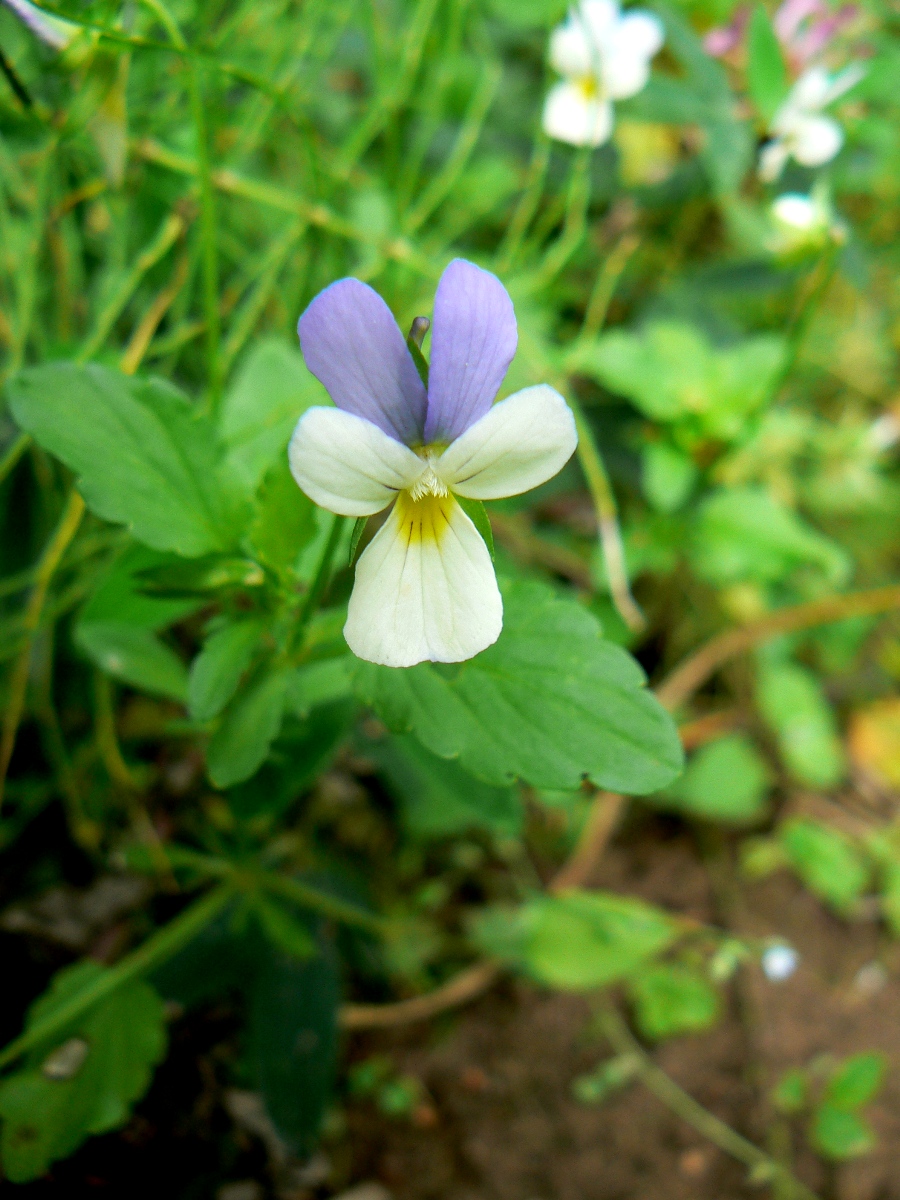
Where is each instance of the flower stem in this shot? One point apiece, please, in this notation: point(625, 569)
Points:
point(763, 1169)
point(607, 520)
point(323, 574)
point(161, 946)
point(18, 684)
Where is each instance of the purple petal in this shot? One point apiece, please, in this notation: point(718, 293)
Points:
point(353, 345)
point(472, 344)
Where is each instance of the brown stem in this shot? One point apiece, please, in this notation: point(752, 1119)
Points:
point(681, 684)
point(607, 809)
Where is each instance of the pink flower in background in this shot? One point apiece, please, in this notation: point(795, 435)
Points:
point(803, 27)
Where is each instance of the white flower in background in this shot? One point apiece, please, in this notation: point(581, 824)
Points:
point(425, 587)
point(604, 55)
point(780, 962)
point(801, 222)
point(53, 30)
point(799, 129)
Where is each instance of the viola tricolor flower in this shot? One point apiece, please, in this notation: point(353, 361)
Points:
point(604, 55)
point(800, 129)
point(425, 587)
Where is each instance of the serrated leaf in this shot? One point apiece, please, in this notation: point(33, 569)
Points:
point(143, 455)
point(250, 724)
point(47, 1112)
point(670, 1000)
point(439, 798)
point(217, 669)
point(551, 703)
point(767, 79)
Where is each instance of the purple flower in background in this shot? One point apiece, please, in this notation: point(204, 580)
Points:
point(53, 30)
point(425, 587)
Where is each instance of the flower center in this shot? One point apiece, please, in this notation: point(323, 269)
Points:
point(429, 482)
point(589, 86)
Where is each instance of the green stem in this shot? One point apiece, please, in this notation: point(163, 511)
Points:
point(322, 576)
point(162, 945)
point(13, 454)
point(607, 520)
point(330, 906)
point(208, 235)
point(763, 1168)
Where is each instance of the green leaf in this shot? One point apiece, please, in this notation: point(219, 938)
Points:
point(251, 722)
point(743, 534)
point(271, 392)
point(792, 702)
point(201, 576)
point(319, 683)
point(856, 1081)
point(767, 79)
point(439, 798)
point(671, 1000)
point(673, 373)
point(119, 594)
point(284, 929)
point(217, 669)
point(839, 1134)
point(728, 147)
point(668, 476)
point(578, 940)
point(144, 456)
point(725, 781)
point(303, 750)
point(87, 1081)
point(359, 527)
point(285, 519)
point(790, 1093)
point(135, 656)
point(550, 703)
point(477, 514)
point(826, 861)
point(292, 1037)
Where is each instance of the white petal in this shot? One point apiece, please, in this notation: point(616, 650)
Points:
point(522, 442)
point(599, 17)
point(772, 159)
point(347, 465)
point(570, 51)
point(844, 81)
point(810, 92)
point(640, 33)
point(626, 56)
point(816, 140)
point(569, 116)
point(425, 588)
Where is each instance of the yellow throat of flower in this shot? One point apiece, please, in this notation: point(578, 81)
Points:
point(423, 518)
point(589, 87)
